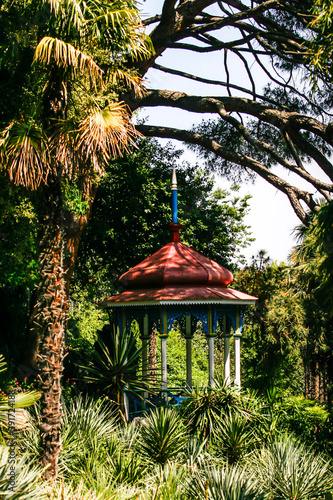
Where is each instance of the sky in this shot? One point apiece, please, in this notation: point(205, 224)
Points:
point(271, 216)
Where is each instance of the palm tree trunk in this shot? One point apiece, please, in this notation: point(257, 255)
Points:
point(59, 238)
point(48, 324)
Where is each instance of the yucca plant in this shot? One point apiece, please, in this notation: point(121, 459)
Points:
point(114, 368)
point(226, 483)
point(89, 429)
point(27, 486)
point(126, 466)
point(234, 439)
point(63, 491)
point(205, 407)
point(162, 436)
point(168, 483)
point(289, 471)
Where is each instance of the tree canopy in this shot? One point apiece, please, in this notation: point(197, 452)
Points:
point(133, 208)
point(287, 123)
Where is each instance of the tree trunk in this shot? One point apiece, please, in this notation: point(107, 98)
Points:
point(48, 324)
point(59, 237)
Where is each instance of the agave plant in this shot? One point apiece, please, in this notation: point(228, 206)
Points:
point(168, 483)
point(162, 436)
point(289, 471)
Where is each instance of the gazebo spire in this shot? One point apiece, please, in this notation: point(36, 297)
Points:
point(173, 226)
point(174, 197)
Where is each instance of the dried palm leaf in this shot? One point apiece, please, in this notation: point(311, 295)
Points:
point(24, 153)
point(105, 134)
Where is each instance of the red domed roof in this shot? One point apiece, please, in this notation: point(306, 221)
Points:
point(176, 264)
point(177, 274)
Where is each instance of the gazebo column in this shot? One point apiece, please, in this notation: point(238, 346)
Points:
point(145, 350)
point(210, 340)
point(188, 337)
point(163, 336)
point(227, 359)
point(123, 328)
point(237, 339)
point(226, 337)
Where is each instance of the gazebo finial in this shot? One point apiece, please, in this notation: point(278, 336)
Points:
point(174, 196)
point(174, 227)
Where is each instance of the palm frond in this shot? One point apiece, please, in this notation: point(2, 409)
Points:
point(20, 417)
point(71, 10)
point(119, 25)
point(3, 364)
point(24, 153)
point(106, 133)
point(54, 51)
point(132, 81)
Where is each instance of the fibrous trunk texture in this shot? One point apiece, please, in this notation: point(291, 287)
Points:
point(59, 237)
point(48, 325)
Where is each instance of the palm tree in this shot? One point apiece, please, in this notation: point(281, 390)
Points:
point(63, 125)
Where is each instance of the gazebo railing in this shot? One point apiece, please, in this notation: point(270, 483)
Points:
point(171, 397)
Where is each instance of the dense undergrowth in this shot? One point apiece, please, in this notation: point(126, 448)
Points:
point(221, 444)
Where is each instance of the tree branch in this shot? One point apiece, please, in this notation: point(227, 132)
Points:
point(294, 194)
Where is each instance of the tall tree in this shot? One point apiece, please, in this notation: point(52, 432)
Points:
point(311, 280)
point(132, 210)
point(275, 329)
point(61, 67)
point(286, 124)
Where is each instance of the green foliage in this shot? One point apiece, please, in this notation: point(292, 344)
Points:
point(18, 266)
point(289, 471)
point(73, 200)
point(114, 366)
point(85, 320)
point(162, 435)
point(156, 458)
point(305, 418)
point(18, 228)
point(275, 329)
point(176, 347)
point(310, 281)
point(132, 209)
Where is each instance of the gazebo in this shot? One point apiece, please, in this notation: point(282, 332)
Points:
point(176, 281)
